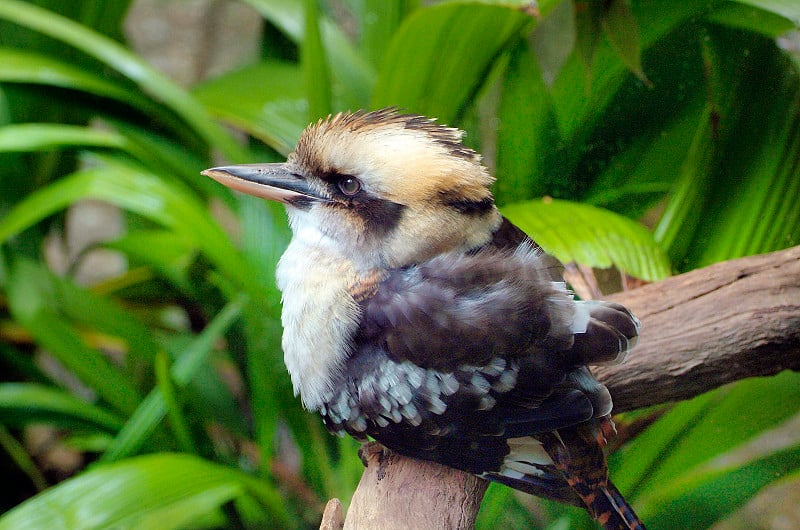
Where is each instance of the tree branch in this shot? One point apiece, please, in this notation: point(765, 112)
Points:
point(710, 327)
point(700, 330)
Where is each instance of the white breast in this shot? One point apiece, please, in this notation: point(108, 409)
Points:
point(319, 317)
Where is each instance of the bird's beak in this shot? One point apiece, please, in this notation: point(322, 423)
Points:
point(268, 181)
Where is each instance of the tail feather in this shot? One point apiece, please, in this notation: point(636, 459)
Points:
point(611, 510)
point(577, 454)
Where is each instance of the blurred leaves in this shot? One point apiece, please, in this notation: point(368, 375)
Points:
point(19, 66)
point(128, 64)
point(755, 211)
point(696, 453)
point(147, 416)
point(23, 403)
point(439, 56)
point(683, 117)
point(315, 65)
point(618, 25)
point(351, 71)
point(270, 103)
point(34, 303)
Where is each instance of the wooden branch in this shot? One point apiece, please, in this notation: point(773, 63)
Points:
point(332, 518)
point(397, 493)
point(700, 330)
point(709, 327)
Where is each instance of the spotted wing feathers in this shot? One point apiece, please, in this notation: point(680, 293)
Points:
point(478, 361)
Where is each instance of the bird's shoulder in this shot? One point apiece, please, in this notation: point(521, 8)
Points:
point(463, 308)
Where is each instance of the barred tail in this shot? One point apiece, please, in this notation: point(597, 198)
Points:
point(612, 511)
point(578, 454)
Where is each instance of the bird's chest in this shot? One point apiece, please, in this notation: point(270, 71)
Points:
point(319, 319)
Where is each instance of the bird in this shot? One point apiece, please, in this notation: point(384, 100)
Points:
point(415, 314)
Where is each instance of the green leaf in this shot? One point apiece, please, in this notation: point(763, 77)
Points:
point(116, 56)
point(88, 443)
point(753, 206)
point(579, 104)
point(742, 173)
point(738, 15)
point(633, 464)
point(104, 16)
point(160, 492)
point(105, 315)
point(690, 192)
point(271, 394)
point(351, 71)
point(495, 505)
point(157, 152)
point(315, 65)
point(266, 100)
point(133, 188)
point(705, 499)
point(166, 157)
point(166, 251)
point(31, 300)
point(574, 232)
point(695, 444)
point(645, 171)
point(264, 238)
point(147, 416)
point(45, 136)
point(379, 21)
point(765, 402)
point(588, 15)
point(26, 403)
point(527, 133)
point(175, 414)
point(18, 66)
point(788, 9)
point(693, 186)
point(20, 457)
point(440, 55)
point(622, 31)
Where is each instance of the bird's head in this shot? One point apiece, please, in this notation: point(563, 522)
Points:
point(383, 188)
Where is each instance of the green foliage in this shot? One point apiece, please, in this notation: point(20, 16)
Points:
point(162, 490)
point(580, 233)
point(441, 44)
point(685, 114)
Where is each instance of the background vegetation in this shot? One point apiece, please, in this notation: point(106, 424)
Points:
point(166, 380)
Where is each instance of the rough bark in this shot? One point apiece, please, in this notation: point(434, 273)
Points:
point(332, 518)
point(709, 327)
point(700, 330)
point(400, 493)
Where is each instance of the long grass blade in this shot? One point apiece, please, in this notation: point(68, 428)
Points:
point(153, 409)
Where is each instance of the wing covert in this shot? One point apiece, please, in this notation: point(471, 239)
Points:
point(461, 309)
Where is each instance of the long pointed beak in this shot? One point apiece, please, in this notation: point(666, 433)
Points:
point(268, 181)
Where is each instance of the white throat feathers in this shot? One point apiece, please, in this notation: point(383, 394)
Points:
point(319, 317)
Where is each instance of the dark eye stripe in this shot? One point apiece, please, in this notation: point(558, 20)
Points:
point(382, 216)
point(470, 207)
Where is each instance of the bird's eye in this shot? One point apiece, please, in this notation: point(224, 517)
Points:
point(349, 185)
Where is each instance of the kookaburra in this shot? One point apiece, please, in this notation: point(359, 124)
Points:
point(415, 314)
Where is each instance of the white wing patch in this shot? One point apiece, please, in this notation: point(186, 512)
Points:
point(527, 457)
